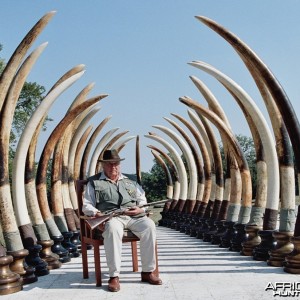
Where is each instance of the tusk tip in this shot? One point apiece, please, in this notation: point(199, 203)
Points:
point(51, 13)
point(45, 44)
point(80, 66)
point(202, 19)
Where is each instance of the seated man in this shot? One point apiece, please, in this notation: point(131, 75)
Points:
point(108, 190)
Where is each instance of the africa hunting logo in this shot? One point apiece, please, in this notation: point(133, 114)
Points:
point(284, 289)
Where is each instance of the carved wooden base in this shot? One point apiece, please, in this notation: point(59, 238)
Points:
point(66, 243)
point(180, 222)
point(282, 249)
point(168, 219)
point(195, 223)
point(216, 238)
point(203, 227)
point(20, 266)
point(189, 226)
point(292, 260)
point(212, 229)
point(226, 238)
point(10, 282)
point(261, 252)
point(185, 223)
point(162, 219)
point(252, 239)
point(75, 239)
point(58, 249)
point(33, 259)
point(238, 237)
point(48, 256)
point(176, 219)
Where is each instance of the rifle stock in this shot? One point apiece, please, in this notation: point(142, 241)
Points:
point(93, 222)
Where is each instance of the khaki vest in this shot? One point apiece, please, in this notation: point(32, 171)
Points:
point(109, 195)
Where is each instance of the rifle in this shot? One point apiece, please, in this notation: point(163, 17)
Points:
point(93, 222)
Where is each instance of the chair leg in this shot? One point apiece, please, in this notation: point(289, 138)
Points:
point(134, 254)
point(97, 265)
point(84, 258)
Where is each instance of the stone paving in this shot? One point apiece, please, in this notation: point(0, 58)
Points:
point(190, 269)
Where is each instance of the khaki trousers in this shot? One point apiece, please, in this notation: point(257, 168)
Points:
point(143, 227)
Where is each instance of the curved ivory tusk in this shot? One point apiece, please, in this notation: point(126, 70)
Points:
point(196, 120)
point(9, 223)
point(65, 219)
point(261, 196)
point(163, 165)
point(97, 151)
point(286, 109)
point(261, 73)
point(23, 145)
point(88, 147)
point(192, 187)
point(235, 147)
point(115, 139)
point(212, 104)
point(40, 228)
point(63, 210)
point(79, 151)
point(180, 167)
point(173, 168)
point(266, 137)
point(202, 193)
point(209, 197)
point(41, 177)
point(109, 145)
point(197, 159)
point(72, 150)
point(138, 160)
point(124, 141)
point(13, 64)
point(284, 151)
point(217, 190)
point(78, 68)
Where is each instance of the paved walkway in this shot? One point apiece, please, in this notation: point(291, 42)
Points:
point(190, 269)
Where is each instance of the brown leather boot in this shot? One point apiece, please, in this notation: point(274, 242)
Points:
point(114, 284)
point(151, 278)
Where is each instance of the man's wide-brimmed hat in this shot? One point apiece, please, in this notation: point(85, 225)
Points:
point(111, 156)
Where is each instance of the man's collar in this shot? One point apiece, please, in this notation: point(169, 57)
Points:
point(103, 176)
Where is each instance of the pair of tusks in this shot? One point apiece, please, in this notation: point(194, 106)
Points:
point(172, 170)
point(8, 220)
point(271, 91)
point(182, 175)
point(248, 104)
point(166, 170)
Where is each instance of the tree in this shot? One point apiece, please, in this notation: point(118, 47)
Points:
point(247, 146)
point(154, 183)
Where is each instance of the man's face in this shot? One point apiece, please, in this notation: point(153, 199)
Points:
point(111, 169)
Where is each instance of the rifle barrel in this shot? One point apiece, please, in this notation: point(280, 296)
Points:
point(94, 222)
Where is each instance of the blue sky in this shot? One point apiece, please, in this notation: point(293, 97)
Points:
point(137, 52)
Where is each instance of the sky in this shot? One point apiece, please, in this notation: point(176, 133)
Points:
point(137, 52)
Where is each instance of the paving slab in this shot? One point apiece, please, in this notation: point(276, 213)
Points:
point(190, 269)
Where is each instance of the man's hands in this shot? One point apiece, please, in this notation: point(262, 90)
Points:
point(98, 214)
point(134, 210)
